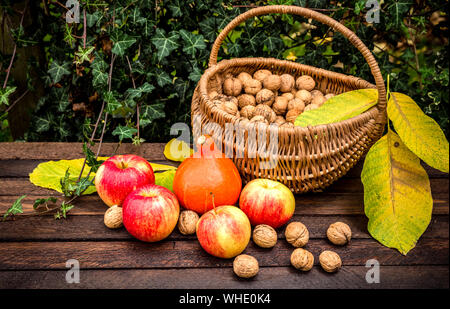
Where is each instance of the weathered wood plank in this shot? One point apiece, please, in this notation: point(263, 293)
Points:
point(76, 228)
point(308, 204)
point(188, 253)
point(349, 277)
point(57, 151)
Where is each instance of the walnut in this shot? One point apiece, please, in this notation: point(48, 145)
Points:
point(230, 107)
point(304, 95)
point(318, 100)
point(288, 95)
point(296, 104)
point(297, 234)
point(272, 82)
point(280, 120)
point(253, 86)
point(302, 259)
point(259, 118)
point(246, 99)
point(266, 112)
point(247, 111)
point(311, 107)
point(329, 96)
point(113, 217)
point(265, 96)
point(187, 222)
point(232, 86)
point(339, 233)
point(280, 105)
point(315, 93)
point(264, 236)
point(261, 75)
point(244, 77)
point(245, 266)
point(287, 82)
point(305, 82)
point(292, 114)
point(213, 94)
point(330, 261)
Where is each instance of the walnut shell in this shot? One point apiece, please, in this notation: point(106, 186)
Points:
point(339, 233)
point(280, 120)
point(261, 75)
point(302, 259)
point(265, 96)
point(230, 107)
point(304, 95)
point(296, 104)
point(318, 100)
point(311, 107)
point(244, 77)
point(329, 96)
point(187, 222)
point(246, 99)
point(213, 94)
point(315, 93)
point(305, 82)
point(113, 217)
point(292, 114)
point(253, 86)
point(280, 105)
point(288, 95)
point(259, 118)
point(272, 82)
point(265, 111)
point(264, 236)
point(297, 234)
point(232, 86)
point(247, 111)
point(330, 261)
point(245, 266)
point(287, 82)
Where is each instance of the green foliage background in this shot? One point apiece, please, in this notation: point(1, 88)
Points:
point(167, 44)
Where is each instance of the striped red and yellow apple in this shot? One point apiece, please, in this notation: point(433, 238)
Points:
point(224, 231)
point(268, 202)
point(120, 175)
point(150, 213)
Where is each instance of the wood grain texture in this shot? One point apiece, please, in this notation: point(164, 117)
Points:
point(188, 253)
point(349, 277)
point(76, 228)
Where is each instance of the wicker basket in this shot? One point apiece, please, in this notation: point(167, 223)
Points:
point(308, 159)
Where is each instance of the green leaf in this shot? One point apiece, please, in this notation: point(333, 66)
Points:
point(99, 77)
point(83, 54)
point(121, 44)
point(150, 113)
point(397, 194)
point(60, 97)
point(91, 159)
point(165, 179)
point(162, 78)
point(43, 201)
point(273, 43)
point(112, 104)
point(137, 93)
point(16, 208)
point(195, 75)
point(192, 42)
point(63, 210)
point(57, 71)
point(124, 132)
point(5, 93)
point(164, 44)
point(344, 106)
point(420, 133)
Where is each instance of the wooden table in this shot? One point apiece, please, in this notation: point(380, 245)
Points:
point(34, 250)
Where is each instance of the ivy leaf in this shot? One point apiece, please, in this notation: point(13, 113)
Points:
point(124, 132)
point(92, 19)
point(112, 104)
point(63, 210)
point(137, 93)
point(193, 42)
point(164, 44)
point(16, 208)
point(99, 77)
point(398, 9)
point(273, 43)
point(397, 194)
point(195, 75)
point(61, 98)
point(150, 113)
point(57, 71)
point(175, 8)
point(121, 43)
point(43, 201)
point(162, 78)
point(83, 54)
point(91, 159)
point(420, 133)
point(136, 17)
point(5, 93)
point(209, 28)
point(43, 124)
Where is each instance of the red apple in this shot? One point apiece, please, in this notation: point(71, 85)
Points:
point(224, 231)
point(120, 175)
point(150, 213)
point(268, 202)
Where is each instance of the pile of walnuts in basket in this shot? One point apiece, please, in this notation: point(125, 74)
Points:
point(269, 98)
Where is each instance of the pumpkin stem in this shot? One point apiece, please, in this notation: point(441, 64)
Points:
point(214, 204)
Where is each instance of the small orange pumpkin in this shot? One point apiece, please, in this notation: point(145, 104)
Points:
point(205, 174)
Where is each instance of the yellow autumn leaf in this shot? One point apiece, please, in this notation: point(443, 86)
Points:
point(49, 174)
point(177, 150)
point(340, 107)
point(397, 194)
point(420, 133)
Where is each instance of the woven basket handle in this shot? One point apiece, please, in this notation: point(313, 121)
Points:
point(307, 13)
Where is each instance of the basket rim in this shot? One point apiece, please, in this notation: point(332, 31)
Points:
point(222, 65)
